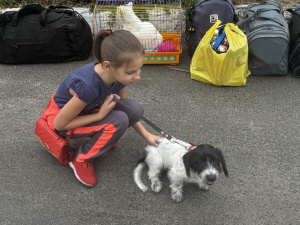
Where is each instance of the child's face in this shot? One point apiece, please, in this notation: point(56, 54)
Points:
point(129, 73)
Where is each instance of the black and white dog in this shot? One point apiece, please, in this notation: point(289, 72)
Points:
point(201, 164)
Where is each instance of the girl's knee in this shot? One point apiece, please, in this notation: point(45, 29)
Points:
point(138, 108)
point(121, 120)
point(134, 105)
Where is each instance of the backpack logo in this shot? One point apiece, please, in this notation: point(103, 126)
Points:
point(213, 18)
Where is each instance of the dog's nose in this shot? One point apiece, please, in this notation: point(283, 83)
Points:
point(211, 178)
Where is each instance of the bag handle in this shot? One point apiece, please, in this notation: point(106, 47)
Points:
point(25, 10)
point(273, 19)
point(292, 12)
point(43, 17)
point(255, 15)
point(270, 2)
point(233, 30)
point(61, 9)
point(54, 9)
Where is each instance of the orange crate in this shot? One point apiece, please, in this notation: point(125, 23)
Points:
point(171, 58)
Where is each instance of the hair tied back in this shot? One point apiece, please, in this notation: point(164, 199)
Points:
point(106, 33)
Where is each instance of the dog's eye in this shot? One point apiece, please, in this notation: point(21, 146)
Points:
point(217, 165)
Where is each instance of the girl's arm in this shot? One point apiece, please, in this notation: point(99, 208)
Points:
point(122, 93)
point(140, 128)
point(151, 138)
point(68, 117)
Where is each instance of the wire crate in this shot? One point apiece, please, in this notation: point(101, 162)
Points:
point(156, 23)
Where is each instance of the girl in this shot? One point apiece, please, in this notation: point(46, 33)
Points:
point(83, 106)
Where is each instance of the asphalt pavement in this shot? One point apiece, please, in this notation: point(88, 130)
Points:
point(256, 126)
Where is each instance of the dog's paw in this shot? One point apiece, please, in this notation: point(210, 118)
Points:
point(203, 187)
point(156, 186)
point(177, 196)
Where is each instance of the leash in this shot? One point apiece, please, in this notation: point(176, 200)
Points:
point(187, 146)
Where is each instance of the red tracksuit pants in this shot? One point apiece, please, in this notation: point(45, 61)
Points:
point(103, 134)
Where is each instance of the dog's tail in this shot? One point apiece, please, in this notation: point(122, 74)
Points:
point(137, 174)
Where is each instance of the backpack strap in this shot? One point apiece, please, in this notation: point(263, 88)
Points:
point(235, 18)
point(191, 14)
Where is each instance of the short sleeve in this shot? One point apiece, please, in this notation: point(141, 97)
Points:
point(120, 86)
point(83, 91)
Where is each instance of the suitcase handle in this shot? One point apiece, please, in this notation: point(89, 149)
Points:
point(27, 9)
point(53, 9)
point(60, 7)
point(38, 9)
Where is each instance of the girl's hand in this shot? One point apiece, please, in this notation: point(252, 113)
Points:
point(145, 134)
point(152, 139)
point(107, 105)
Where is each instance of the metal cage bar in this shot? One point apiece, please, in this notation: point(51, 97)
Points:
point(156, 23)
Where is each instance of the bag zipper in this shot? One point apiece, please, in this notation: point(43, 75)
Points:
point(263, 31)
point(265, 27)
point(294, 52)
point(266, 33)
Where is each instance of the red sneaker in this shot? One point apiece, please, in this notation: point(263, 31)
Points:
point(84, 172)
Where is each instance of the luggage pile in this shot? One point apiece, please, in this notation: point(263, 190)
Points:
point(35, 34)
point(273, 43)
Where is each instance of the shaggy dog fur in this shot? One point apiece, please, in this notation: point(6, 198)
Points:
point(201, 165)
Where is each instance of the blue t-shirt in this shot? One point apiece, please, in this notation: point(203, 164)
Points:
point(88, 86)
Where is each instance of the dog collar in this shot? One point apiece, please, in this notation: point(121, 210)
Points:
point(193, 145)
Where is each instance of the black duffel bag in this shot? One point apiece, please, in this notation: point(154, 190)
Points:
point(35, 34)
point(294, 53)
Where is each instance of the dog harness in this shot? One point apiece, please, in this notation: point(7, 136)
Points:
point(193, 145)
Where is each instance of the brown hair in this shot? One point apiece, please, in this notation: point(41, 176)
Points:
point(117, 47)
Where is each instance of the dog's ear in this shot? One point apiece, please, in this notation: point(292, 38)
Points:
point(222, 160)
point(186, 162)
